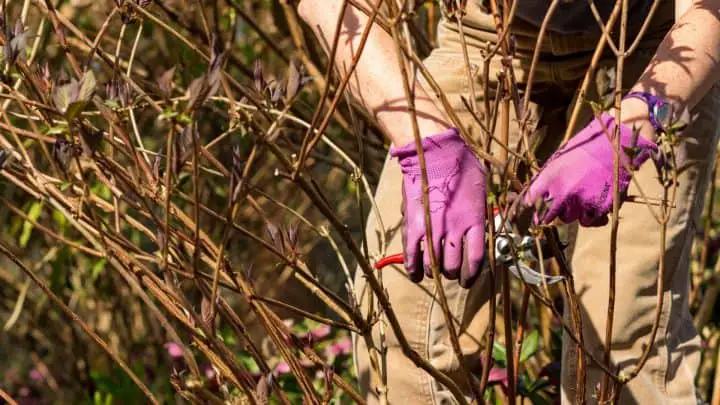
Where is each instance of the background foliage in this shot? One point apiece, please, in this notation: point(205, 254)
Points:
point(105, 107)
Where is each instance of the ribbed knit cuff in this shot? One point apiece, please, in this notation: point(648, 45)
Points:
point(646, 148)
point(445, 154)
point(447, 140)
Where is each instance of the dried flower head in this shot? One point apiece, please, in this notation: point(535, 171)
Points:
point(15, 42)
point(70, 99)
point(63, 152)
point(118, 91)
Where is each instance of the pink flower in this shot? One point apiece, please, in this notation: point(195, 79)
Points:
point(208, 370)
point(317, 334)
point(36, 375)
point(320, 332)
point(341, 347)
point(282, 368)
point(174, 350)
point(498, 375)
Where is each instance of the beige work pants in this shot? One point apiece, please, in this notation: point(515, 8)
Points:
point(668, 376)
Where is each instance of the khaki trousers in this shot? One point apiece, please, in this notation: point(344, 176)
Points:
point(668, 376)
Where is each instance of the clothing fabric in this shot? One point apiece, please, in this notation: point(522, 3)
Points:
point(668, 376)
point(575, 16)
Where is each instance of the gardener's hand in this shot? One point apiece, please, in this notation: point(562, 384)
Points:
point(456, 181)
point(576, 182)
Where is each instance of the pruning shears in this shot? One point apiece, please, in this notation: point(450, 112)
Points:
point(505, 243)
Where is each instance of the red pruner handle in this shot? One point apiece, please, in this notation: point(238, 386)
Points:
point(388, 260)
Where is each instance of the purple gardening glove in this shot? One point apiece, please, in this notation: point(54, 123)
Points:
point(456, 182)
point(576, 181)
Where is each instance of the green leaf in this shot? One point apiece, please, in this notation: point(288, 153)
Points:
point(57, 129)
point(248, 362)
point(537, 399)
point(499, 353)
point(168, 114)
point(227, 336)
point(87, 86)
point(529, 346)
point(112, 104)
point(487, 395)
point(523, 384)
point(98, 399)
point(61, 97)
point(60, 220)
point(539, 384)
point(596, 107)
point(75, 108)
point(102, 190)
point(72, 98)
point(33, 214)
point(97, 268)
point(499, 400)
point(184, 119)
point(492, 198)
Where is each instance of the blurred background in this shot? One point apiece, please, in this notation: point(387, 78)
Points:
point(83, 192)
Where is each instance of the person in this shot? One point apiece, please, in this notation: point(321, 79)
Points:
point(675, 64)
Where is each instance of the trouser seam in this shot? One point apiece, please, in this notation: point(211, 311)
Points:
point(457, 310)
point(663, 331)
point(664, 326)
point(700, 183)
point(428, 385)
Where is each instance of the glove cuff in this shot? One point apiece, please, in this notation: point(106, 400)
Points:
point(646, 148)
point(449, 140)
point(445, 154)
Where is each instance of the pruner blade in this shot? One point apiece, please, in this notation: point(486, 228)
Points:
point(524, 246)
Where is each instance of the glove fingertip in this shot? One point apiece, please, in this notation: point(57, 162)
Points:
point(555, 210)
point(437, 249)
point(599, 221)
point(475, 257)
point(536, 219)
point(452, 257)
point(415, 275)
point(529, 196)
point(413, 263)
point(475, 267)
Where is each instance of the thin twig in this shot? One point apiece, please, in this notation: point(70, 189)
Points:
point(70, 314)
